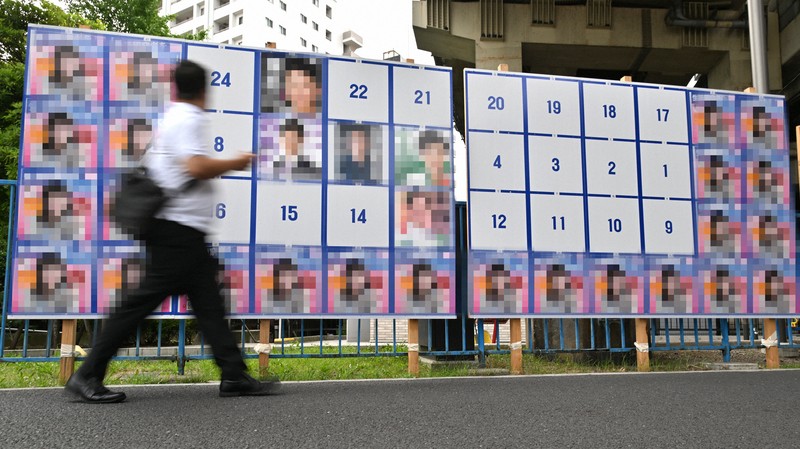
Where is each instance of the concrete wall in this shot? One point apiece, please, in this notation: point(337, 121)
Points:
point(732, 71)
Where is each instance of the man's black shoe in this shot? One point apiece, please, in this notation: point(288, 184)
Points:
point(247, 386)
point(92, 390)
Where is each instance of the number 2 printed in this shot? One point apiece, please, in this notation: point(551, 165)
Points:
point(358, 91)
point(218, 79)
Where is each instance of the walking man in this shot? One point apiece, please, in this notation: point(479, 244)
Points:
point(178, 261)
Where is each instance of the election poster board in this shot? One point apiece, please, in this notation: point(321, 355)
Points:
point(346, 211)
point(592, 198)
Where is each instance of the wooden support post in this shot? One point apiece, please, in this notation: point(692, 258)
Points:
point(771, 334)
point(516, 345)
point(642, 346)
point(264, 327)
point(626, 79)
point(413, 347)
point(67, 365)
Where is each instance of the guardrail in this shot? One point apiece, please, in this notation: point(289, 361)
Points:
point(36, 340)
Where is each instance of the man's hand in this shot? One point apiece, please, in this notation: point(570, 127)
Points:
point(204, 167)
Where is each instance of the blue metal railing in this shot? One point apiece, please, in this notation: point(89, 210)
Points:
point(460, 337)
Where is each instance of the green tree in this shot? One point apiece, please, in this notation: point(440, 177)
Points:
point(128, 16)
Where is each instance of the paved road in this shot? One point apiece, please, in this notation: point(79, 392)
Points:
point(703, 410)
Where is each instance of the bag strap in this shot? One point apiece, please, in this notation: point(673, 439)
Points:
point(188, 185)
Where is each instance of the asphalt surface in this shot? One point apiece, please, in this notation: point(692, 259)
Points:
point(703, 410)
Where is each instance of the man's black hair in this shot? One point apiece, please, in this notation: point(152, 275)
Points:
point(190, 80)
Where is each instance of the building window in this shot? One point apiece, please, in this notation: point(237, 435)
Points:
point(269, 22)
point(328, 34)
point(303, 18)
point(283, 6)
point(202, 10)
point(329, 12)
point(315, 25)
point(241, 20)
point(315, 2)
point(314, 48)
point(303, 42)
point(283, 30)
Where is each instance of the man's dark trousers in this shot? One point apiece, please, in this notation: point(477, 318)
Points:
point(178, 262)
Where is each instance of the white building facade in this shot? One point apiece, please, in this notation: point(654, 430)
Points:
point(293, 25)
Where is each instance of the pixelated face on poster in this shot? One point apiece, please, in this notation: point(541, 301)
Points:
point(714, 120)
point(500, 283)
point(671, 288)
point(52, 280)
point(234, 276)
point(767, 182)
point(358, 282)
point(424, 218)
point(141, 71)
point(719, 176)
point(57, 209)
point(559, 285)
point(358, 153)
point(296, 154)
point(770, 234)
point(774, 289)
point(423, 157)
point(725, 289)
point(763, 124)
point(64, 140)
point(128, 141)
point(423, 285)
point(720, 230)
point(287, 280)
point(291, 85)
point(68, 67)
point(122, 271)
point(618, 286)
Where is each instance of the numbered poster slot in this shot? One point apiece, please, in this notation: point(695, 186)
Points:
point(499, 221)
point(662, 115)
point(358, 91)
point(231, 211)
point(557, 223)
point(289, 214)
point(230, 77)
point(497, 161)
point(608, 111)
point(230, 135)
point(668, 227)
point(611, 168)
point(614, 226)
point(422, 97)
point(554, 107)
point(358, 216)
point(556, 165)
point(494, 102)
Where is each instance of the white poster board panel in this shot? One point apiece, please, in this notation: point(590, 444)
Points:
point(608, 111)
point(554, 107)
point(422, 97)
point(666, 171)
point(662, 115)
point(358, 216)
point(497, 161)
point(358, 91)
point(556, 164)
point(498, 221)
point(288, 213)
point(611, 168)
point(231, 134)
point(232, 211)
point(557, 223)
point(230, 77)
point(494, 102)
point(668, 227)
point(614, 225)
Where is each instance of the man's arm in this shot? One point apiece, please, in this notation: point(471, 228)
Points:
point(204, 167)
